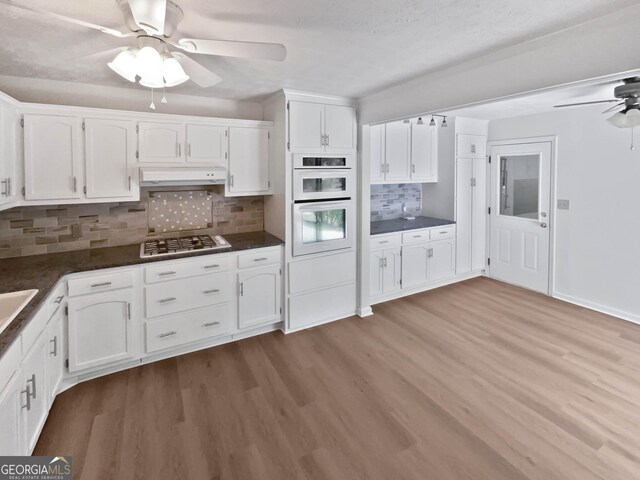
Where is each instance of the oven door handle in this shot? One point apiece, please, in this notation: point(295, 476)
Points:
point(315, 205)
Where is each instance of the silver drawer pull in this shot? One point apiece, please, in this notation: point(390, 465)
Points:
point(33, 384)
point(96, 285)
point(211, 266)
point(54, 341)
point(261, 259)
point(164, 274)
point(28, 396)
point(211, 324)
point(383, 241)
point(167, 300)
point(168, 334)
point(417, 236)
point(215, 290)
point(59, 299)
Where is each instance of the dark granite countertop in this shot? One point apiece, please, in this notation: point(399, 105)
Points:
point(401, 225)
point(42, 272)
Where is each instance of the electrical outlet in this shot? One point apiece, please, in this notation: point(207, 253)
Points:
point(563, 204)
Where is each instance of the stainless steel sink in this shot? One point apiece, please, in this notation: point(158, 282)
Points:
point(11, 304)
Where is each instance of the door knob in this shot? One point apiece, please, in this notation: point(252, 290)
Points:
point(543, 225)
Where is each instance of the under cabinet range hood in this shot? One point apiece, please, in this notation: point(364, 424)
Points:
point(176, 176)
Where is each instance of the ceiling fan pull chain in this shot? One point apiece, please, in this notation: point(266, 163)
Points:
point(153, 105)
point(164, 96)
point(633, 147)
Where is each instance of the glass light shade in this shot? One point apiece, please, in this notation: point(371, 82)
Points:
point(125, 64)
point(420, 121)
point(153, 80)
point(619, 120)
point(432, 123)
point(149, 63)
point(173, 72)
point(633, 117)
point(444, 123)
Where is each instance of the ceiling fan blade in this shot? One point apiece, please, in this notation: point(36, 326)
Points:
point(584, 103)
point(149, 15)
point(75, 21)
point(199, 74)
point(228, 48)
point(614, 107)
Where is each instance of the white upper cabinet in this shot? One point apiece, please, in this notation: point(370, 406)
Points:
point(161, 142)
point(424, 153)
point(110, 148)
point(315, 127)
point(377, 164)
point(52, 157)
point(207, 144)
point(397, 151)
point(248, 161)
point(9, 123)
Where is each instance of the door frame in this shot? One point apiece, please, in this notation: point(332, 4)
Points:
point(553, 139)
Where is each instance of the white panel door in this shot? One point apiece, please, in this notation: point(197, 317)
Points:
point(441, 259)
point(415, 261)
point(35, 399)
point(52, 157)
point(464, 214)
point(376, 273)
point(520, 197)
point(248, 161)
point(55, 354)
point(110, 150)
point(376, 153)
point(9, 122)
point(161, 142)
point(207, 144)
point(100, 329)
point(259, 296)
point(397, 151)
point(306, 127)
point(340, 128)
point(392, 269)
point(424, 153)
point(13, 406)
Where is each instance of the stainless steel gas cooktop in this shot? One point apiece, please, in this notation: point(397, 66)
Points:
point(175, 246)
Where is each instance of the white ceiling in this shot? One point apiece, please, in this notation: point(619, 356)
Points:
point(350, 48)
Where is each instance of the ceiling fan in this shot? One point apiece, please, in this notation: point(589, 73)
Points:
point(626, 96)
point(153, 23)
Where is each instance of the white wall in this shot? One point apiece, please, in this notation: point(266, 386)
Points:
point(33, 90)
point(438, 199)
point(598, 238)
point(591, 50)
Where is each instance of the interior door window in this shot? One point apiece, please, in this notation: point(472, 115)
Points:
point(519, 185)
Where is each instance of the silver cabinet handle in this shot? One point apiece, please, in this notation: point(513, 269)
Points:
point(543, 225)
point(261, 259)
point(28, 396)
point(381, 262)
point(167, 334)
point(214, 290)
point(129, 182)
point(167, 300)
point(413, 168)
point(430, 253)
point(59, 299)
point(211, 324)
point(321, 139)
point(128, 311)
point(417, 236)
point(180, 150)
point(103, 284)
point(383, 241)
point(9, 186)
point(215, 265)
point(164, 274)
point(75, 184)
point(5, 191)
point(241, 289)
point(385, 262)
point(189, 148)
point(231, 180)
point(54, 340)
point(33, 383)
point(327, 137)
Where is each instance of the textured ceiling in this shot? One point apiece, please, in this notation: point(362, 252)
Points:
point(349, 48)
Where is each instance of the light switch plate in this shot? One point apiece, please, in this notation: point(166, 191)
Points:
point(563, 204)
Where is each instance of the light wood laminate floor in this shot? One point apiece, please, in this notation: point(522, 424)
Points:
point(477, 380)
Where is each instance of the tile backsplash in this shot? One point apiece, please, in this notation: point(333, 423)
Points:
point(387, 200)
point(50, 229)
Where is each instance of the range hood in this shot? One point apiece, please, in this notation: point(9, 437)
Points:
point(176, 176)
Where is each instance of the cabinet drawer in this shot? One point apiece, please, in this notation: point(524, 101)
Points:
point(440, 233)
point(415, 236)
point(204, 265)
point(197, 325)
point(259, 258)
point(322, 272)
point(469, 145)
point(180, 295)
point(378, 242)
point(100, 283)
point(10, 363)
point(322, 306)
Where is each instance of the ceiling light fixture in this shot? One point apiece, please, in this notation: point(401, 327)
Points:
point(432, 123)
point(420, 121)
point(444, 123)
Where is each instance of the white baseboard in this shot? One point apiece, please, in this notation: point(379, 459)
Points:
point(629, 317)
point(365, 312)
point(307, 326)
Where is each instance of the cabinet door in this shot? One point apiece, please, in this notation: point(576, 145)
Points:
point(340, 128)
point(376, 155)
point(397, 142)
point(207, 144)
point(376, 269)
point(306, 127)
point(464, 208)
point(36, 404)
point(259, 296)
point(52, 157)
point(424, 153)
point(441, 261)
point(12, 399)
point(392, 269)
point(415, 260)
point(9, 122)
point(100, 329)
point(161, 142)
point(54, 348)
point(110, 149)
point(478, 213)
point(471, 145)
point(248, 161)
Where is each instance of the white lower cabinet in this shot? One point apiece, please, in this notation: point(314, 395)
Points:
point(259, 296)
point(442, 259)
point(385, 271)
point(415, 265)
point(33, 392)
point(100, 329)
point(55, 353)
point(11, 414)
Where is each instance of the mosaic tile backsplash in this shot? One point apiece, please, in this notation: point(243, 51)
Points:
point(387, 200)
point(50, 229)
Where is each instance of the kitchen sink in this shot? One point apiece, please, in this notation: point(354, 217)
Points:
point(11, 304)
